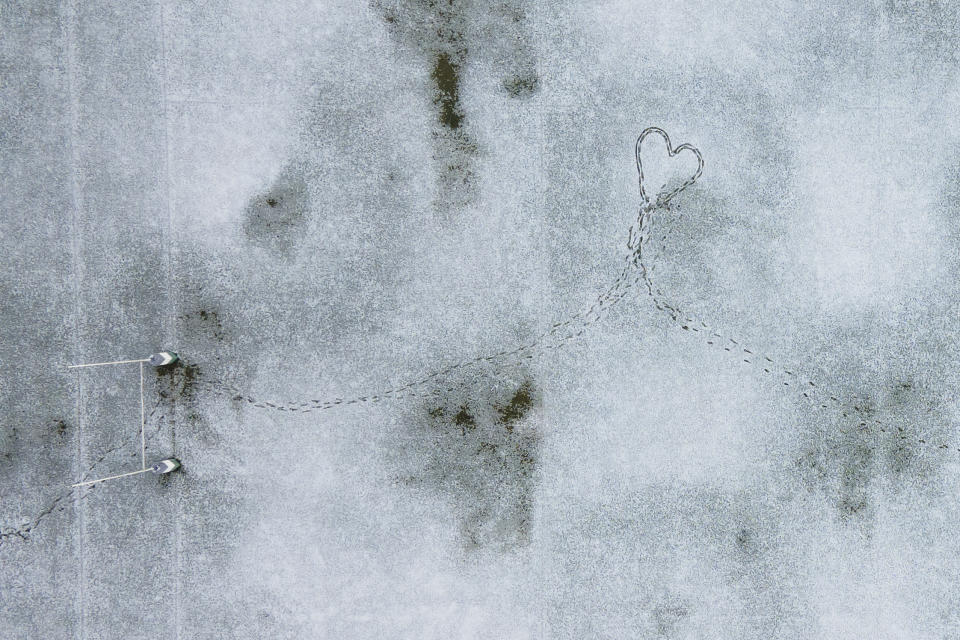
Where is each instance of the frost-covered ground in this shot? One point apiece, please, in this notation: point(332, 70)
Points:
point(374, 202)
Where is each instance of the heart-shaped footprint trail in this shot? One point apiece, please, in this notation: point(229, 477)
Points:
point(664, 170)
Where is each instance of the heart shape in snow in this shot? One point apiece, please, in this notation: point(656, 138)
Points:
point(665, 179)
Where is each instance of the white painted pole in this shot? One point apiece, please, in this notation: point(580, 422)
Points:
point(122, 475)
point(143, 437)
point(101, 364)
